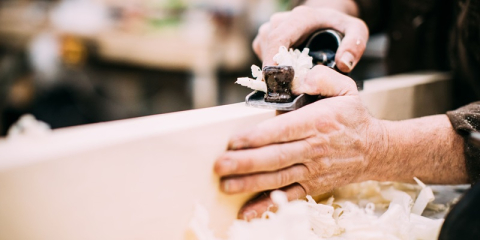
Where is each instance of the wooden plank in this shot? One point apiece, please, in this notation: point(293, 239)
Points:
point(408, 95)
point(139, 178)
point(133, 179)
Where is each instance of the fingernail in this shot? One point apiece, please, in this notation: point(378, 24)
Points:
point(247, 216)
point(229, 186)
point(232, 186)
point(348, 59)
point(226, 186)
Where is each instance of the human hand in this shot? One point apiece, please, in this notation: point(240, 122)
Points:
point(312, 150)
point(293, 27)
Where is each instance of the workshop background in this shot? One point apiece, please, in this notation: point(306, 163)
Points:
point(74, 62)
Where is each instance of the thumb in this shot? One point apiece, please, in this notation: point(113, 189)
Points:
point(324, 81)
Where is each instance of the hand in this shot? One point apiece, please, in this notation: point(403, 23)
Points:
point(312, 150)
point(293, 27)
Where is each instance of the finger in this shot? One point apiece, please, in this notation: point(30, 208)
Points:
point(289, 31)
point(294, 29)
point(268, 158)
point(266, 39)
point(262, 203)
point(259, 39)
point(286, 34)
point(352, 46)
point(324, 81)
point(264, 181)
point(277, 18)
point(273, 131)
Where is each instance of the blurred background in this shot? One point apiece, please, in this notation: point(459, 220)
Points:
point(73, 62)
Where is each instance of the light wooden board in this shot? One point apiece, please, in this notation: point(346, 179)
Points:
point(408, 95)
point(134, 179)
point(140, 178)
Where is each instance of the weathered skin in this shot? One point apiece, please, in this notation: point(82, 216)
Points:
point(333, 142)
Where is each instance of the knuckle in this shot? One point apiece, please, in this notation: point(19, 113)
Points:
point(305, 186)
point(351, 87)
point(283, 178)
point(318, 70)
point(328, 13)
point(287, 132)
point(314, 77)
point(310, 149)
point(348, 87)
point(246, 165)
point(323, 124)
point(312, 84)
point(301, 10)
point(302, 172)
point(359, 24)
point(301, 13)
point(264, 29)
point(310, 169)
point(282, 158)
point(274, 37)
point(276, 18)
point(283, 35)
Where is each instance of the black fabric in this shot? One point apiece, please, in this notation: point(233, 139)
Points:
point(466, 120)
point(418, 31)
point(465, 52)
point(375, 13)
point(431, 35)
point(463, 220)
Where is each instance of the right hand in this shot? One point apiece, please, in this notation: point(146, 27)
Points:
point(293, 27)
point(324, 145)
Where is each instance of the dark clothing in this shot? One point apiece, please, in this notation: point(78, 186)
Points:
point(418, 31)
point(465, 120)
point(436, 35)
point(431, 35)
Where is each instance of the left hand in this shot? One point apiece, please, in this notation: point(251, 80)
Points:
point(312, 150)
point(293, 27)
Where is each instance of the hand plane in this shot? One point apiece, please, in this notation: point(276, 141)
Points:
point(322, 45)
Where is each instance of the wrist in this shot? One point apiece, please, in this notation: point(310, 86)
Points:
point(377, 148)
point(427, 148)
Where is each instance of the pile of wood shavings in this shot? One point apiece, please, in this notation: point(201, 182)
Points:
point(300, 61)
point(368, 210)
point(28, 125)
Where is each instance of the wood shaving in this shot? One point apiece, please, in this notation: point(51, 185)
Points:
point(300, 61)
point(341, 218)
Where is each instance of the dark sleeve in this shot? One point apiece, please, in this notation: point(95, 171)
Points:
point(375, 13)
point(465, 120)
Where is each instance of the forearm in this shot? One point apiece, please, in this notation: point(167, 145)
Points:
point(427, 148)
point(346, 6)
